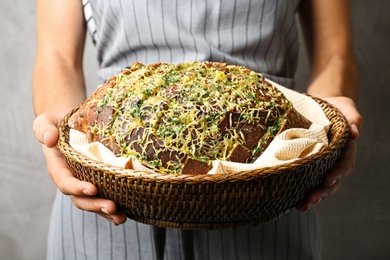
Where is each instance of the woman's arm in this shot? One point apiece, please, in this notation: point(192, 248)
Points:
point(328, 37)
point(58, 87)
point(58, 83)
point(334, 77)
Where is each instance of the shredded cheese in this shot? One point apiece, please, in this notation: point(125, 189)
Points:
point(185, 105)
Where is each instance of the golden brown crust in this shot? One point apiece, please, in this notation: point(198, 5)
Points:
point(240, 154)
point(294, 119)
point(195, 167)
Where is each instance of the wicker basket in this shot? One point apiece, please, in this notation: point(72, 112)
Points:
point(209, 201)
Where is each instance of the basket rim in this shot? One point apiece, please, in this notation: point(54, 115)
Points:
point(332, 113)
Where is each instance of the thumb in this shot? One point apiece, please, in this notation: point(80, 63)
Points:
point(45, 129)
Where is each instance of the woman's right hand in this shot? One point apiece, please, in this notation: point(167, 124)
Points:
point(82, 193)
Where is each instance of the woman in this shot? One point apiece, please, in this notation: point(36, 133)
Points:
point(261, 35)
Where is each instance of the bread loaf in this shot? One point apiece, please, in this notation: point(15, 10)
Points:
point(178, 118)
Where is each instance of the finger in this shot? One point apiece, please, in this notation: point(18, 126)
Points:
point(343, 166)
point(317, 195)
point(63, 177)
point(348, 108)
point(303, 205)
point(45, 129)
point(103, 207)
point(94, 204)
point(116, 218)
point(354, 118)
point(322, 192)
point(354, 132)
point(332, 180)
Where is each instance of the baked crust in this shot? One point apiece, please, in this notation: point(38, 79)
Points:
point(178, 118)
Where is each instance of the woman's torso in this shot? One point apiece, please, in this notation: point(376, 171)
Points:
point(261, 35)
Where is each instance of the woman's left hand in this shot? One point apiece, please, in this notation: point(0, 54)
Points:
point(332, 180)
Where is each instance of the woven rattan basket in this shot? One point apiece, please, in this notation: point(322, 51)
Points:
point(209, 201)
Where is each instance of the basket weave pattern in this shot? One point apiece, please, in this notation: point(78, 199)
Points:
point(209, 201)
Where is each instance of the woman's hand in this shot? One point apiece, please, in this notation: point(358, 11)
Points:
point(332, 180)
point(82, 193)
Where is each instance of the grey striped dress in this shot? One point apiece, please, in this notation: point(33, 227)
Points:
point(260, 34)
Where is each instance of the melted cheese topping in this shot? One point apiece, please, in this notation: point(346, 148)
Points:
point(185, 104)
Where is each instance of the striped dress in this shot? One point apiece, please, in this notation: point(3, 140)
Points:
point(259, 34)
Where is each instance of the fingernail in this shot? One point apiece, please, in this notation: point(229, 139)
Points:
point(354, 132)
point(86, 192)
point(333, 182)
point(44, 138)
point(104, 210)
point(354, 128)
point(319, 200)
point(112, 221)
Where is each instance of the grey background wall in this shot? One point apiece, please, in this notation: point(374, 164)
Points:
point(356, 221)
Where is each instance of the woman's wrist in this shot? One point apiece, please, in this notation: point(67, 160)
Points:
point(338, 78)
